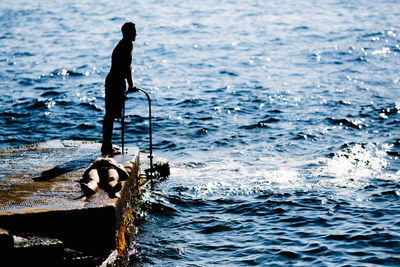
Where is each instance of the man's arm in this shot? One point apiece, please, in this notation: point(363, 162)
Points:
point(131, 87)
point(128, 68)
point(129, 77)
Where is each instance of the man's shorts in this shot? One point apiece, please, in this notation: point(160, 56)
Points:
point(115, 96)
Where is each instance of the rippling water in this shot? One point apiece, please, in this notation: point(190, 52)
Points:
point(280, 120)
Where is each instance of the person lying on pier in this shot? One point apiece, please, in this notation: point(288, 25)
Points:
point(104, 173)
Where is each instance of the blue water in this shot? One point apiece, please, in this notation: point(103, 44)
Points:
point(280, 120)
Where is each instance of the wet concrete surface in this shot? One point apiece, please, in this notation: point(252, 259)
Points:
point(41, 199)
point(45, 176)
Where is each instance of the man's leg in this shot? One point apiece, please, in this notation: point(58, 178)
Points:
point(108, 127)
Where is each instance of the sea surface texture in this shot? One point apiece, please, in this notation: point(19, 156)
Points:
point(280, 120)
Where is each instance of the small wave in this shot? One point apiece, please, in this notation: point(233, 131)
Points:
point(91, 106)
point(85, 126)
point(372, 35)
point(65, 72)
point(260, 124)
point(187, 202)
point(26, 81)
point(348, 123)
point(45, 88)
point(137, 118)
point(397, 142)
point(382, 261)
point(228, 73)
point(64, 103)
point(318, 250)
point(341, 102)
point(337, 237)
point(260, 208)
point(391, 193)
point(160, 209)
point(165, 144)
point(50, 94)
point(190, 102)
point(277, 111)
point(202, 132)
point(206, 118)
point(302, 221)
point(216, 228)
point(14, 115)
point(300, 28)
point(23, 54)
point(385, 112)
point(304, 136)
point(136, 129)
point(39, 104)
point(289, 254)
point(193, 165)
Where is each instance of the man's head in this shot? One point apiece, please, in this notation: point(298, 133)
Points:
point(129, 31)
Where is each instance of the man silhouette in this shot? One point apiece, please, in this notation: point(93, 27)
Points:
point(120, 71)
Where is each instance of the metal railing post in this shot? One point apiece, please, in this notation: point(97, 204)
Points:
point(150, 132)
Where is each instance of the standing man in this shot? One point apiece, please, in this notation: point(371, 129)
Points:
point(120, 71)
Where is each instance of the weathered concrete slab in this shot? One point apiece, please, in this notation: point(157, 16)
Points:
point(45, 176)
point(40, 196)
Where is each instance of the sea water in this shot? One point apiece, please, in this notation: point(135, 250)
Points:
point(280, 120)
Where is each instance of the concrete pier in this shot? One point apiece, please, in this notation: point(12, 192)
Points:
point(46, 219)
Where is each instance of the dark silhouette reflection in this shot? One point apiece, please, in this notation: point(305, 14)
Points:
point(66, 167)
point(121, 70)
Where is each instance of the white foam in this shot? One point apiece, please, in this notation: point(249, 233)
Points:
point(355, 168)
point(235, 177)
